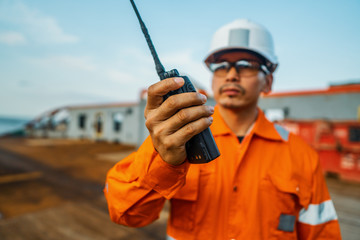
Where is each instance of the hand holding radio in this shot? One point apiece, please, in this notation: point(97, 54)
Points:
point(201, 147)
point(173, 121)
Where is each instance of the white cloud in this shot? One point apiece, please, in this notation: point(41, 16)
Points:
point(83, 63)
point(132, 65)
point(12, 38)
point(136, 65)
point(183, 60)
point(121, 76)
point(72, 62)
point(33, 24)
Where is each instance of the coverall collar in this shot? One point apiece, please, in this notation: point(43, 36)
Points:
point(262, 126)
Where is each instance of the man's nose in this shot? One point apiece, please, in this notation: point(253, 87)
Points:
point(232, 75)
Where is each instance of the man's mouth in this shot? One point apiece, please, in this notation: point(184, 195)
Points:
point(232, 90)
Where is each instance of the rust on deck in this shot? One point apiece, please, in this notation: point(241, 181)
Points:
point(52, 189)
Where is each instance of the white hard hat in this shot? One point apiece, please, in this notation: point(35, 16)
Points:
point(243, 34)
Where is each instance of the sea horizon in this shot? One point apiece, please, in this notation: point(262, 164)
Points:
point(10, 124)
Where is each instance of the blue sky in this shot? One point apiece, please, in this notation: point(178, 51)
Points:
point(57, 53)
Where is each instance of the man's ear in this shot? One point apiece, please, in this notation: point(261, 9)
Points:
point(212, 83)
point(268, 83)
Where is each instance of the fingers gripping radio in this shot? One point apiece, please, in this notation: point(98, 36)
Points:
point(202, 147)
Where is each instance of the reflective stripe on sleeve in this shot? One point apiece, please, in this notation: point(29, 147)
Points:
point(169, 237)
point(318, 213)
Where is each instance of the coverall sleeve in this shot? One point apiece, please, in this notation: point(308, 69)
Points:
point(319, 220)
point(137, 186)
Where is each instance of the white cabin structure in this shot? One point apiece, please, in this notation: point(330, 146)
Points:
point(118, 122)
point(114, 122)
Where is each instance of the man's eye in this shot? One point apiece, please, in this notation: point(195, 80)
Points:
point(218, 66)
point(247, 65)
point(242, 67)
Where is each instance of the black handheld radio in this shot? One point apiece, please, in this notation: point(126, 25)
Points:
point(202, 147)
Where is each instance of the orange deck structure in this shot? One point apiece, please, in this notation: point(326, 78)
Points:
point(337, 142)
point(328, 119)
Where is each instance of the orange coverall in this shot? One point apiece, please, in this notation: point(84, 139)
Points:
point(268, 187)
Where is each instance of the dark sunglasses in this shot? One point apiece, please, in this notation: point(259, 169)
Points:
point(224, 67)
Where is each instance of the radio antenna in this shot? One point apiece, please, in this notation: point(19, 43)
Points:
point(159, 67)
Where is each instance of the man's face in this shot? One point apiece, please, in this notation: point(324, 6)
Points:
point(241, 89)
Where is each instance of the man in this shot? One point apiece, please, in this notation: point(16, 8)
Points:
point(266, 184)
